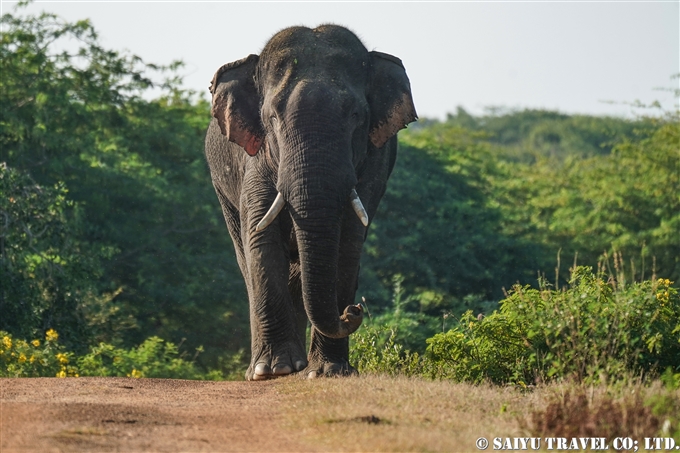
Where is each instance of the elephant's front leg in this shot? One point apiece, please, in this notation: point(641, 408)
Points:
point(330, 356)
point(276, 345)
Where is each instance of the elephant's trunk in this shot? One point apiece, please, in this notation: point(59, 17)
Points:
point(318, 245)
point(318, 216)
point(316, 177)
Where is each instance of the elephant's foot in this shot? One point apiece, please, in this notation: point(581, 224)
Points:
point(328, 357)
point(274, 361)
point(329, 369)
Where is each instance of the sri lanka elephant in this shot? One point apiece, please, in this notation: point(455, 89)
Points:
point(300, 147)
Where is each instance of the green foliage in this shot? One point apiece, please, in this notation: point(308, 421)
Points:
point(666, 404)
point(375, 350)
point(408, 328)
point(472, 208)
point(474, 351)
point(670, 379)
point(48, 273)
point(529, 135)
point(21, 358)
point(438, 227)
point(110, 231)
point(139, 213)
point(593, 330)
point(624, 202)
point(153, 358)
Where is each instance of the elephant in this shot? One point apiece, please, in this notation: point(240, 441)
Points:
point(300, 146)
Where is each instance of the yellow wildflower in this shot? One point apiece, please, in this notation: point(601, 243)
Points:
point(7, 342)
point(51, 335)
point(35, 343)
point(31, 359)
point(62, 373)
point(62, 358)
point(135, 374)
point(22, 358)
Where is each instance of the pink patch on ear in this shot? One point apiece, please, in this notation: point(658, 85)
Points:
point(234, 129)
point(401, 113)
point(240, 135)
point(253, 145)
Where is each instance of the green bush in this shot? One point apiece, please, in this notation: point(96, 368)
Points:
point(154, 358)
point(21, 358)
point(665, 404)
point(375, 350)
point(593, 331)
point(476, 350)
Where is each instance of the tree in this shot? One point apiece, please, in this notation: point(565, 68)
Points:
point(439, 227)
point(48, 273)
point(135, 172)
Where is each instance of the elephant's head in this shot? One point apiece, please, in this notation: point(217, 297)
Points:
point(314, 104)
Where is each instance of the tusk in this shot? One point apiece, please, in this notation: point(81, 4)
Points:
point(269, 217)
point(358, 207)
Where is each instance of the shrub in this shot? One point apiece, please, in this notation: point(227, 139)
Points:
point(592, 331)
point(665, 404)
point(21, 358)
point(475, 350)
point(153, 358)
point(375, 350)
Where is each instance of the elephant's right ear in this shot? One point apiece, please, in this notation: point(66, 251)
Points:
point(236, 104)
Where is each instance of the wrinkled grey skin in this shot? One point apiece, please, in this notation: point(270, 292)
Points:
point(314, 116)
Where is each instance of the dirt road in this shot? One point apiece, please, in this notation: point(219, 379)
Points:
point(363, 414)
point(121, 414)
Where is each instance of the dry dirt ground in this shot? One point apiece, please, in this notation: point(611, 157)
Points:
point(285, 415)
point(121, 414)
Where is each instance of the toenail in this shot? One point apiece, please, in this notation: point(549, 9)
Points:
point(262, 369)
point(282, 369)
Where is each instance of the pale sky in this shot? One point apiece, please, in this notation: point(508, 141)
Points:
point(566, 56)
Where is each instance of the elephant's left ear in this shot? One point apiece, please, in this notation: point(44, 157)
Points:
point(236, 104)
point(389, 97)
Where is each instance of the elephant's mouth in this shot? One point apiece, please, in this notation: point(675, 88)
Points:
point(280, 202)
